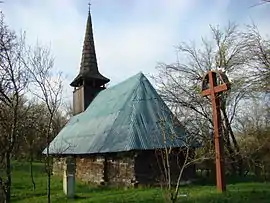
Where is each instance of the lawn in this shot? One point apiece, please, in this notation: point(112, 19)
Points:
point(249, 191)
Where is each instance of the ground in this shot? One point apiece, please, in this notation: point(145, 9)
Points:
point(238, 192)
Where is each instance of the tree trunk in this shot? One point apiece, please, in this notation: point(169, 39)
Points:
point(48, 170)
point(48, 161)
point(49, 188)
point(229, 148)
point(31, 171)
point(236, 146)
point(8, 182)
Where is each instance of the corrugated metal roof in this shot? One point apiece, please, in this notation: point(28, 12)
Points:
point(125, 117)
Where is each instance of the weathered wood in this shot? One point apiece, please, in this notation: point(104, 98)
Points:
point(212, 88)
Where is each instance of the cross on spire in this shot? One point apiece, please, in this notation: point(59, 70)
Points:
point(89, 6)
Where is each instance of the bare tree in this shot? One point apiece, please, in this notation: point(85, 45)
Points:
point(13, 83)
point(253, 133)
point(33, 133)
point(178, 163)
point(258, 50)
point(19, 70)
point(47, 86)
point(180, 83)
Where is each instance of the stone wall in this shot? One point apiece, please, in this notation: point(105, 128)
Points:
point(58, 166)
point(105, 171)
point(121, 172)
point(90, 169)
point(98, 170)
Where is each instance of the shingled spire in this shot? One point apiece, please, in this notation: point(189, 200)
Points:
point(89, 73)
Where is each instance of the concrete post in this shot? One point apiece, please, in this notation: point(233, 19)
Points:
point(69, 177)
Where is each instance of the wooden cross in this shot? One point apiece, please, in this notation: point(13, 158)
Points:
point(211, 87)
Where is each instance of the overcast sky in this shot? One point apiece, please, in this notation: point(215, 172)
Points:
point(130, 35)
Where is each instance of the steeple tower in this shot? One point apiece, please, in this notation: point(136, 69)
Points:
point(89, 68)
point(89, 81)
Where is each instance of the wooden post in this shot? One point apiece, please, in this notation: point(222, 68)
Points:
point(213, 89)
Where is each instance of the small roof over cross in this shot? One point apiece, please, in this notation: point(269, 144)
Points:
point(210, 86)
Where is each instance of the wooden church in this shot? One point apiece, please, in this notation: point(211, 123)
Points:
point(117, 134)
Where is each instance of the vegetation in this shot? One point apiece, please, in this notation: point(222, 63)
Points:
point(30, 99)
point(249, 191)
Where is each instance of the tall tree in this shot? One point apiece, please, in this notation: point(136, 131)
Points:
point(180, 84)
point(47, 87)
point(26, 70)
point(13, 85)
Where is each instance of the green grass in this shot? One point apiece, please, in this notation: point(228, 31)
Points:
point(22, 192)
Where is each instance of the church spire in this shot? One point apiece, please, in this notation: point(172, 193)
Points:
point(89, 72)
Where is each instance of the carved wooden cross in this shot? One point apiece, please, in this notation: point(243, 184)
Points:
point(213, 89)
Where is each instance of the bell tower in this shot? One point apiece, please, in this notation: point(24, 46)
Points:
point(89, 82)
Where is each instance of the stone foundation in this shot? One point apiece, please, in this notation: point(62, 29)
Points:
point(121, 172)
point(58, 166)
point(90, 170)
point(129, 169)
point(98, 170)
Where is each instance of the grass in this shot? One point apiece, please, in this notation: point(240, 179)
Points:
point(238, 192)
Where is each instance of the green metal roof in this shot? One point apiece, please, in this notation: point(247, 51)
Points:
point(125, 117)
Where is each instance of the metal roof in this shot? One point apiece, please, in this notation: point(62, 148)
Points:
point(127, 116)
